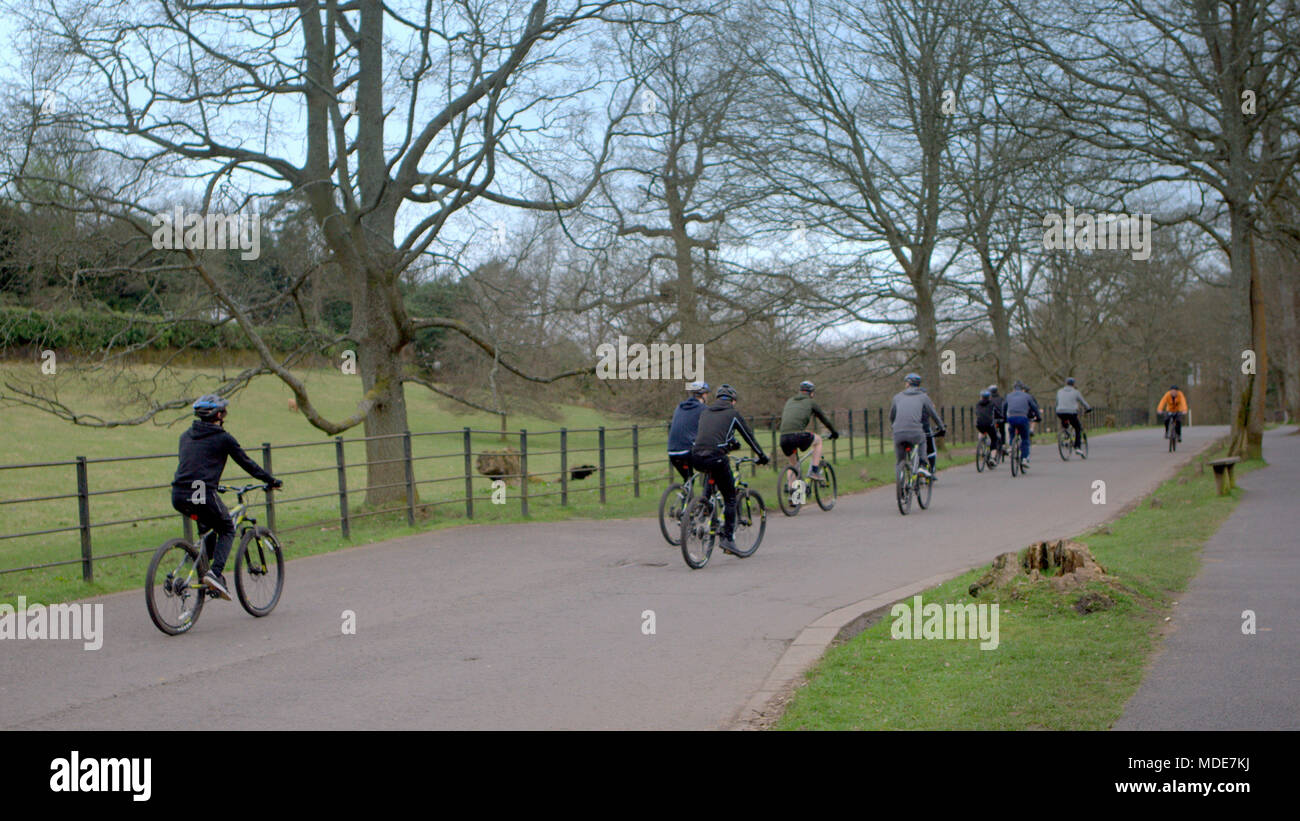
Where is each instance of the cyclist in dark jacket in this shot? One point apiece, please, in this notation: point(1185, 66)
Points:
point(681, 433)
point(202, 459)
point(714, 438)
point(1021, 409)
point(988, 419)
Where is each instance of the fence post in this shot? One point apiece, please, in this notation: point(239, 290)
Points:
point(850, 434)
point(469, 480)
point(187, 528)
point(753, 469)
point(564, 466)
point(834, 443)
point(410, 478)
point(774, 450)
point(602, 464)
point(270, 493)
point(636, 463)
point(343, 488)
point(83, 515)
point(880, 419)
point(523, 471)
point(866, 433)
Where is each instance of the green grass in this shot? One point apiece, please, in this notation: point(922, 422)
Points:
point(1054, 668)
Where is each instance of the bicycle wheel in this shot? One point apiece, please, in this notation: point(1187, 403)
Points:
point(1064, 442)
point(259, 571)
point(903, 487)
point(1014, 454)
point(1083, 445)
point(924, 487)
point(751, 522)
point(981, 455)
point(826, 490)
point(1173, 438)
point(173, 586)
point(785, 496)
point(670, 513)
point(699, 531)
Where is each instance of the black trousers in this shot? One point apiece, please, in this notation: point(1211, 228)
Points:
point(717, 467)
point(212, 515)
point(682, 463)
point(1072, 419)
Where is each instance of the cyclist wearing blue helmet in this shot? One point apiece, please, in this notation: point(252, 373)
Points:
point(910, 412)
point(201, 461)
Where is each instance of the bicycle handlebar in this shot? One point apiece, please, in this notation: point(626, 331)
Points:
point(240, 491)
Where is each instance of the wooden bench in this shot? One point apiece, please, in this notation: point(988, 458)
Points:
point(1223, 479)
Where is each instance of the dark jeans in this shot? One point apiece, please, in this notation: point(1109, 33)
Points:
point(1072, 419)
point(211, 516)
point(682, 463)
point(717, 467)
point(1178, 424)
point(1020, 424)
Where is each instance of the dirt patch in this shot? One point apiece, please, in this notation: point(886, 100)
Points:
point(1065, 565)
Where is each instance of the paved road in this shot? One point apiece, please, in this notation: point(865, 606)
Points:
point(1209, 675)
point(539, 626)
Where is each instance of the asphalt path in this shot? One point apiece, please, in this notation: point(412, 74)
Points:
point(540, 625)
point(1216, 670)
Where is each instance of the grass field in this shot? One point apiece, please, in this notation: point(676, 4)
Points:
point(1054, 668)
point(260, 414)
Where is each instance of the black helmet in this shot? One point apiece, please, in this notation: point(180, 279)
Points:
point(1173, 387)
point(806, 386)
point(726, 392)
point(209, 405)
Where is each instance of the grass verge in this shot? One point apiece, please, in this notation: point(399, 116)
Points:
point(1053, 668)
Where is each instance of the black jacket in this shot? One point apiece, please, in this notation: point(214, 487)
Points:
point(203, 451)
point(718, 422)
point(988, 412)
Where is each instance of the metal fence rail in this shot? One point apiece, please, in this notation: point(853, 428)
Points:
point(863, 431)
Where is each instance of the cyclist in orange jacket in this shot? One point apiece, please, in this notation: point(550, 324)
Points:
point(1174, 402)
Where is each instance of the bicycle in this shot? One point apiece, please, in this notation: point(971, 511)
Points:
point(259, 571)
point(986, 456)
point(674, 501)
point(909, 481)
point(701, 525)
point(1017, 461)
point(1065, 443)
point(792, 499)
point(1171, 431)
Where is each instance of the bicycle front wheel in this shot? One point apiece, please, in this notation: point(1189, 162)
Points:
point(903, 487)
point(173, 586)
point(259, 571)
point(699, 531)
point(670, 513)
point(826, 490)
point(751, 522)
point(1083, 445)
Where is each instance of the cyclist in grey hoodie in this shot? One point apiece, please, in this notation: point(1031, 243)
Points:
point(1068, 404)
point(909, 413)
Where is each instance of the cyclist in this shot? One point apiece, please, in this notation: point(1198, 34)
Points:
point(1021, 409)
point(201, 461)
point(681, 433)
point(989, 419)
point(719, 422)
point(1068, 402)
point(798, 412)
point(1174, 403)
point(1000, 402)
point(910, 412)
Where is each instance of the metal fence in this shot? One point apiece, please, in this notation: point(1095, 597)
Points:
point(442, 465)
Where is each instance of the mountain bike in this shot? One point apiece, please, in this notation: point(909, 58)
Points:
point(792, 492)
point(909, 481)
point(674, 501)
point(1171, 431)
point(1017, 461)
point(702, 523)
point(174, 591)
point(1065, 442)
point(985, 455)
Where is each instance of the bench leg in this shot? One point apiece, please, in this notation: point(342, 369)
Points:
point(1232, 479)
point(1220, 482)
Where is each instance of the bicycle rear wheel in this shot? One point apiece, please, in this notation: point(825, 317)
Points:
point(903, 487)
point(1064, 442)
point(1015, 455)
point(670, 513)
point(826, 490)
point(699, 531)
point(981, 455)
point(785, 496)
point(259, 571)
point(1083, 445)
point(751, 522)
point(173, 586)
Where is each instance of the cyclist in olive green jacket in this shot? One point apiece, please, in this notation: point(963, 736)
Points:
point(795, 436)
